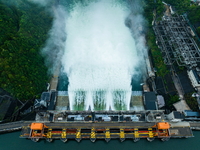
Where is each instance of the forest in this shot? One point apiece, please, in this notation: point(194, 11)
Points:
point(24, 30)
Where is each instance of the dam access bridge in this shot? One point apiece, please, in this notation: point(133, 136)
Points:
point(106, 125)
point(16, 126)
point(101, 125)
point(105, 130)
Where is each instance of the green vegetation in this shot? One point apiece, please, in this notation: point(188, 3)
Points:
point(156, 54)
point(171, 100)
point(24, 27)
point(151, 8)
point(79, 107)
point(99, 100)
point(194, 17)
point(99, 106)
point(192, 10)
point(191, 101)
point(79, 99)
point(194, 14)
point(198, 30)
point(181, 6)
point(151, 39)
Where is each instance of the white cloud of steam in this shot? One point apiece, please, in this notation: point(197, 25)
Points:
point(55, 45)
point(136, 22)
point(101, 53)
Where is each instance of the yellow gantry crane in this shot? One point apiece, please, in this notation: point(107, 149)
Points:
point(37, 131)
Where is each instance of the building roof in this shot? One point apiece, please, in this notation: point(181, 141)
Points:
point(178, 115)
point(161, 101)
point(45, 96)
point(150, 100)
point(181, 106)
point(48, 99)
point(44, 99)
point(189, 113)
point(37, 126)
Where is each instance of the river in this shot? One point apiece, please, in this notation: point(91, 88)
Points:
point(11, 141)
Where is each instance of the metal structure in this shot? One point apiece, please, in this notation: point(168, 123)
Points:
point(106, 125)
point(105, 130)
point(37, 131)
point(174, 38)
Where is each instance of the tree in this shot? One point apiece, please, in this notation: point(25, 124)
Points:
point(191, 101)
point(22, 34)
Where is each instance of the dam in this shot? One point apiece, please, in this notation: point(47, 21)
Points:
point(54, 120)
point(101, 125)
point(104, 58)
point(99, 53)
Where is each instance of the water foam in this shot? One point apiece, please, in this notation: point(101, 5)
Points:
point(100, 56)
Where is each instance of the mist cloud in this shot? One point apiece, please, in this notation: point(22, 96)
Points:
point(55, 45)
point(101, 52)
point(97, 50)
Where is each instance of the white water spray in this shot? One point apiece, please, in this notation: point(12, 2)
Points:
point(100, 55)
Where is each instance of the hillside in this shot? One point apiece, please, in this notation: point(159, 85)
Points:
point(24, 29)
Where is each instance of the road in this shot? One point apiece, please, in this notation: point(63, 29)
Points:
point(101, 125)
point(17, 125)
point(12, 126)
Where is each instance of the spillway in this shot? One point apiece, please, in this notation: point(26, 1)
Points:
point(101, 54)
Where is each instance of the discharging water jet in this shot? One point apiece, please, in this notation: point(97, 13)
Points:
point(101, 55)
